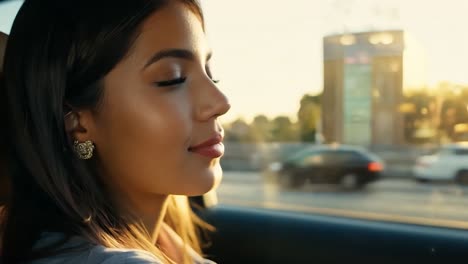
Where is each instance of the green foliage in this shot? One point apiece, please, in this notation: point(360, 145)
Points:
point(280, 128)
point(309, 117)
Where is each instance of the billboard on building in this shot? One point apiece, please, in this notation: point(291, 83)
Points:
point(357, 104)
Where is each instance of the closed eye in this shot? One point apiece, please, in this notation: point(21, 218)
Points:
point(171, 82)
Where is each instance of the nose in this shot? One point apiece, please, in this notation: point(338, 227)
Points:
point(211, 102)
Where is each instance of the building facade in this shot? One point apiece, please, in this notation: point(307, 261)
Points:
point(363, 88)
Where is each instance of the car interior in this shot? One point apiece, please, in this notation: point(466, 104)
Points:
point(247, 235)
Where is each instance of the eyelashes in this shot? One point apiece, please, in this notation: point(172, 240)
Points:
point(178, 81)
point(181, 80)
point(208, 72)
point(171, 82)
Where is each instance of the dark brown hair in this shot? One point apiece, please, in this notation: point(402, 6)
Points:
point(57, 55)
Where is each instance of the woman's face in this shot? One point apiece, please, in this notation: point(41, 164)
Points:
point(159, 104)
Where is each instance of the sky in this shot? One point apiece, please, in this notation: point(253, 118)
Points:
point(268, 53)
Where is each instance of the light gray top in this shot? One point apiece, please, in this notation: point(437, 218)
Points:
point(98, 254)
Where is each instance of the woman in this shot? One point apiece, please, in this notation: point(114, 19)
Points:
point(112, 115)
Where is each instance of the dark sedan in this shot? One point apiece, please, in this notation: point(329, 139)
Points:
point(349, 166)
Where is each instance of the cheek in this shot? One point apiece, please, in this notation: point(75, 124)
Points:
point(143, 142)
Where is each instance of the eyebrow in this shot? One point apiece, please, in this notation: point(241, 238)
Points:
point(173, 53)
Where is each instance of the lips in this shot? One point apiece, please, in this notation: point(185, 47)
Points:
point(212, 148)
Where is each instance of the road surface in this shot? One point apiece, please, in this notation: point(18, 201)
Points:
point(393, 199)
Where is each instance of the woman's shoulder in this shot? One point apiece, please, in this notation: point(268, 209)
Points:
point(95, 254)
point(103, 255)
point(197, 258)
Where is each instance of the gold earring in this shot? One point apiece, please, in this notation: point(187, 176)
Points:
point(84, 150)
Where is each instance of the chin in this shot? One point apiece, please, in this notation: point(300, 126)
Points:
point(218, 176)
point(209, 180)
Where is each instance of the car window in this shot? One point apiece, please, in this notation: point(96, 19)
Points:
point(345, 156)
point(8, 10)
point(300, 155)
point(385, 76)
point(314, 159)
point(461, 152)
point(447, 151)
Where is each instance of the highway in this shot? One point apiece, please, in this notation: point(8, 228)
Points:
point(392, 199)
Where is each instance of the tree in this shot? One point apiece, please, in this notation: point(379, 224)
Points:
point(309, 117)
point(419, 108)
point(283, 129)
point(454, 108)
point(260, 129)
point(237, 131)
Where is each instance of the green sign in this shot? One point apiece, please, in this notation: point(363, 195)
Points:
point(357, 104)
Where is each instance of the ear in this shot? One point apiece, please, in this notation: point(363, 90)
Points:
point(79, 125)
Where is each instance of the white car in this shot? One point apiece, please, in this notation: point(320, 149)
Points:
point(449, 163)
